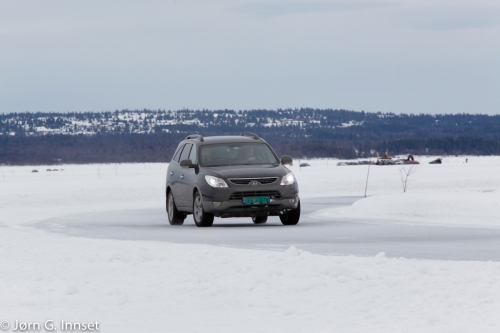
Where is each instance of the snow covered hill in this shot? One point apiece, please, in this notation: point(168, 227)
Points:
point(304, 122)
point(153, 135)
point(151, 121)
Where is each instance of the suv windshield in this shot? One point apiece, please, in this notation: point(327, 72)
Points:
point(237, 154)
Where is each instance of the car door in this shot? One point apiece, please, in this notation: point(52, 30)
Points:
point(182, 181)
point(174, 177)
point(188, 180)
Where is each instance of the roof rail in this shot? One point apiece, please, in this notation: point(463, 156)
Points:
point(250, 135)
point(195, 136)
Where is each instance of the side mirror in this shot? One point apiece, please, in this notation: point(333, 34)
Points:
point(187, 164)
point(285, 159)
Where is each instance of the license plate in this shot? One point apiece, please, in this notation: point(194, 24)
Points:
point(256, 200)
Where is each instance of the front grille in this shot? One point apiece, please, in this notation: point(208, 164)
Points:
point(246, 181)
point(271, 206)
point(247, 194)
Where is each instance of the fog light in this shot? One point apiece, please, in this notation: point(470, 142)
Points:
point(217, 203)
point(291, 201)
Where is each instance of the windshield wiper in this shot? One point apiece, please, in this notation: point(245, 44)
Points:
point(218, 165)
point(253, 164)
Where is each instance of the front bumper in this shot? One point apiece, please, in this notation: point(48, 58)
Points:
point(231, 205)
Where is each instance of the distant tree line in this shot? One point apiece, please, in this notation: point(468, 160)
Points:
point(443, 146)
point(55, 149)
point(152, 136)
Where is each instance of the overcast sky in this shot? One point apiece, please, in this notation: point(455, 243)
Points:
point(392, 56)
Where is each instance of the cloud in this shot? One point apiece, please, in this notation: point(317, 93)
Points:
point(457, 23)
point(270, 9)
point(381, 55)
point(442, 18)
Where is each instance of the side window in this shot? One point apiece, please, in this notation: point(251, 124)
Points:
point(177, 154)
point(192, 155)
point(185, 152)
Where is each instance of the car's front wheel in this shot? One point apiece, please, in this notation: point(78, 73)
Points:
point(174, 216)
point(292, 217)
point(200, 217)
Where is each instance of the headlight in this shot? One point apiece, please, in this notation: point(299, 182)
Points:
point(289, 179)
point(215, 182)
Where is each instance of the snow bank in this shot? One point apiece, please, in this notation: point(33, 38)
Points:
point(454, 193)
point(325, 178)
point(142, 286)
point(452, 208)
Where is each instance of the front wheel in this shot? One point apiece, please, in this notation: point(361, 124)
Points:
point(174, 216)
point(200, 217)
point(292, 217)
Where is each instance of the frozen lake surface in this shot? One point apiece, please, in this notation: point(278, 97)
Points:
point(334, 235)
point(92, 242)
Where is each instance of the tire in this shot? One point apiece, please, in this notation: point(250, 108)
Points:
point(259, 219)
point(292, 217)
point(174, 216)
point(200, 217)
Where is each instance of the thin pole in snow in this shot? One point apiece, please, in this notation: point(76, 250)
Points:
point(368, 175)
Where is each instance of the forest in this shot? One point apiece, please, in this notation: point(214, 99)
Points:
point(153, 135)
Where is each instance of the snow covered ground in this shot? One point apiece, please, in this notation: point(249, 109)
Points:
point(146, 286)
point(454, 193)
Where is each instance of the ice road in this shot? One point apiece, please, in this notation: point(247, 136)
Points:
point(321, 235)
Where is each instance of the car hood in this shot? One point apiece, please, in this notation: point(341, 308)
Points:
point(247, 171)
